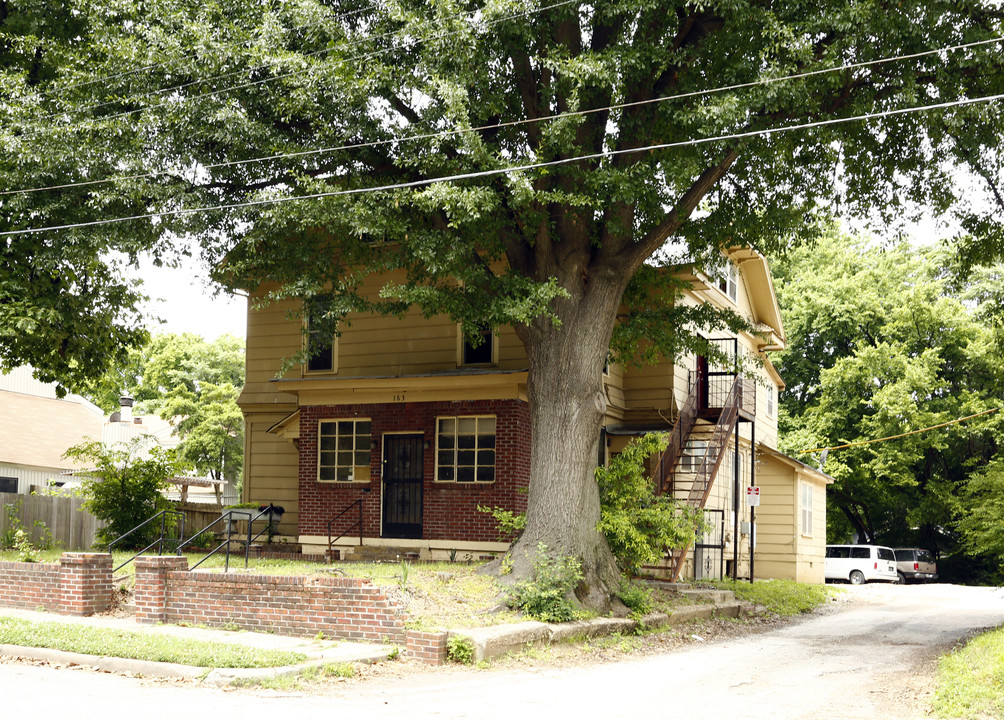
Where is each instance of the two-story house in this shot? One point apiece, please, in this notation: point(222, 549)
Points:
point(399, 430)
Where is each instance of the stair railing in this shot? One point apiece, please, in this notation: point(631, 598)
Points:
point(358, 503)
point(665, 469)
point(738, 396)
point(163, 516)
point(231, 518)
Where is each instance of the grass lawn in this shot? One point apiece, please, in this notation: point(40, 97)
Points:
point(970, 681)
point(781, 597)
point(125, 644)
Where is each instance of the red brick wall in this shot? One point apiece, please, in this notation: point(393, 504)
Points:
point(428, 647)
point(449, 509)
point(30, 585)
point(81, 584)
point(346, 608)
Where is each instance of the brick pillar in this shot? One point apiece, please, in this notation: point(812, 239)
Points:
point(85, 583)
point(427, 647)
point(151, 585)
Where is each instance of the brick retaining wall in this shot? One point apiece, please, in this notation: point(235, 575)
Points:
point(339, 607)
point(81, 584)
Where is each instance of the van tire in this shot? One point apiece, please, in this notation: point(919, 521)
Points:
point(857, 577)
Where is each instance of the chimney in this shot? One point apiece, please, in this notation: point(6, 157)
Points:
point(126, 413)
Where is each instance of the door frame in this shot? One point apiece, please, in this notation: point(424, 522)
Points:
point(383, 476)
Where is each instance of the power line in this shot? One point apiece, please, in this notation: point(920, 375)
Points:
point(512, 123)
point(263, 81)
point(901, 435)
point(518, 168)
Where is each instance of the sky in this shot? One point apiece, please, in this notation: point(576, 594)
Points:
point(183, 298)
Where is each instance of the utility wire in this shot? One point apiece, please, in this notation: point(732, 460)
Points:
point(512, 123)
point(517, 168)
point(901, 435)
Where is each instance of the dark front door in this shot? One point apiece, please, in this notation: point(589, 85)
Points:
point(403, 465)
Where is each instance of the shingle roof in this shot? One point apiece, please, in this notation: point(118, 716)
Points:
point(36, 431)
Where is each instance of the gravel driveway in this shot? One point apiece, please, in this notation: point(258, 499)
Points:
point(870, 655)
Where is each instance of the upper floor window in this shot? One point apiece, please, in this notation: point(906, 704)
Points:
point(343, 450)
point(729, 284)
point(320, 337)
point(479, 350)
point(771, 390)
point(465, 449)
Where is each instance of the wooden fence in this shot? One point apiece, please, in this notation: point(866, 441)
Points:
point(71, 527)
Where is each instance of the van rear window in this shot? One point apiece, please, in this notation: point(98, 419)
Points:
point(886, 554)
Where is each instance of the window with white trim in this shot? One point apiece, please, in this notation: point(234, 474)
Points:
point(729, 284)
point(805, 493)
point(343, 450)
point(770, 400)
point(465, 449)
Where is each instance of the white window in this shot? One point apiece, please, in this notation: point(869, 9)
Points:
point(729, 284)
point(770, 400)
point(465, 449)
point(805, 493)
point(693, 455)
point(343, 450)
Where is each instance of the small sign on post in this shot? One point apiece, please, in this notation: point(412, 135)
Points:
point(753, 496)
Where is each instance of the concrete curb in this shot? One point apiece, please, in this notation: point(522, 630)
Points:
point(498, 640)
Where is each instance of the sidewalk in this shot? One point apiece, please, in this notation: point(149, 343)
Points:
point(318, 652)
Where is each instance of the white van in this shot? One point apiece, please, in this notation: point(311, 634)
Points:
point(859, 564)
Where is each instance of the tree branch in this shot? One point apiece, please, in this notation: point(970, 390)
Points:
point(636, 253)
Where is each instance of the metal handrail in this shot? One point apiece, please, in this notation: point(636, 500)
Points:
point(228, 516)
point(163, 515)
point(331, 542)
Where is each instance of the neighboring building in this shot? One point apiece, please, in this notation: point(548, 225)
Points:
point(36, 428)
point(403, 422)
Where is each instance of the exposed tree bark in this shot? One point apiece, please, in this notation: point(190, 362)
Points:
point(566, 407)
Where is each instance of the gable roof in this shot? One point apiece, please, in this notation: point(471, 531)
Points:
point(759, 287)
point(36, 431)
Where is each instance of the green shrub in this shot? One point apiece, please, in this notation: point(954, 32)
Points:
point(460, 649)
point(126, 487)
point(509, 524)
point(635, 596)
point(548, 596)
point(638, 524)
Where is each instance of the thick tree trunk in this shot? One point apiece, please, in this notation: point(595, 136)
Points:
point(567, 403)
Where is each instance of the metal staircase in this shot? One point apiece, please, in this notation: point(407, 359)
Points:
point(738, 404)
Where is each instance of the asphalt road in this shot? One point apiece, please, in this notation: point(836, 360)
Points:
point(870, 657)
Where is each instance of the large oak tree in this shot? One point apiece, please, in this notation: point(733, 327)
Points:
point(411, 91)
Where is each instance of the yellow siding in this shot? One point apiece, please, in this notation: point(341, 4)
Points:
point(270, 471)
